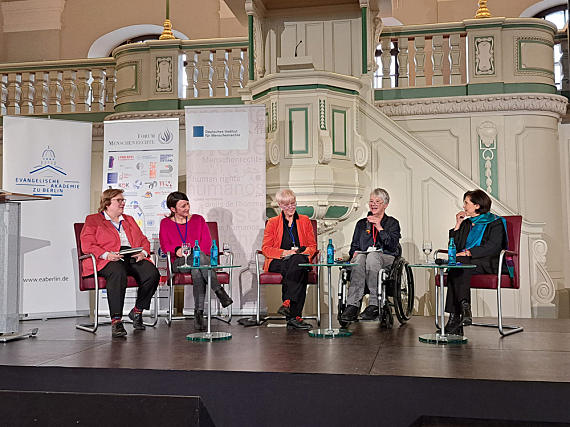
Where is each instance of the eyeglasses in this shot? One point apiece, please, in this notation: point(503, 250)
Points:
point(120, 201)
point(374, 203)
point(291, 206)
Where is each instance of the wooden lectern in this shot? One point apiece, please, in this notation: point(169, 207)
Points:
point(10, 228)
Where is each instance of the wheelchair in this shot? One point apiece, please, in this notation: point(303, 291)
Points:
point(395, 293)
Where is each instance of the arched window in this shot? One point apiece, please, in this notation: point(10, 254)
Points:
point(558, 15)
point(138, 39)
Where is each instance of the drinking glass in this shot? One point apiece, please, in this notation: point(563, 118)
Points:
point(226, 249)
point(185, 252)
point(427, 248)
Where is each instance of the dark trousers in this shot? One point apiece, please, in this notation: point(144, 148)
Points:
point(199, 279)
point(294, 287)
point(459, 282)
point(116, 272)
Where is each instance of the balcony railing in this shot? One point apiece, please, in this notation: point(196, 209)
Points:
point(48, 87)
point(510, 54)
point(213, 68)
point(425, 55)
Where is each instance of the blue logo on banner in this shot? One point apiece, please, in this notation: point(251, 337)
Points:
point(112, 177)
point(47, 179)
point(198, 131)
point(48, 163)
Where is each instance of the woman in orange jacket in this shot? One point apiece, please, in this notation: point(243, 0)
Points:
point(288, 241)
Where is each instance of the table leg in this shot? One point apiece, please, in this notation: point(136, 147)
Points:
point(209, 335)
point(330, 332)
point(209, 293)
point(330, 300)
point(442, 337)
point(441, 306)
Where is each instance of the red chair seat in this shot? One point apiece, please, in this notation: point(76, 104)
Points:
point(483, 281)
point(186, 278)
point(489, 281)
point(270, 279)
point(88, 283)
point(276, 278)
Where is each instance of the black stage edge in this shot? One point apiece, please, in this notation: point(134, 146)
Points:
point(284, 399)
point(464, 422)
point(50, 409)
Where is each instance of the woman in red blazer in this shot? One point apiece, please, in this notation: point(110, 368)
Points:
point(288, 241)
point(104, 235)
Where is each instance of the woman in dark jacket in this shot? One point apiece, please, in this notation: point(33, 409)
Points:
point(479, 238)
point(375, 244)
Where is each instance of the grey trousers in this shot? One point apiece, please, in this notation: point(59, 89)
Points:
point(366, 273)
point(199, 278)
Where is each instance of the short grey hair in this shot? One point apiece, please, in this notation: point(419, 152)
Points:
point(381, 193)
point(286, 196)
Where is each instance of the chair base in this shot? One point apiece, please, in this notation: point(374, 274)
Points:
point(512, 329)
point(13, 337)
point(92, 327)
point(266, 318)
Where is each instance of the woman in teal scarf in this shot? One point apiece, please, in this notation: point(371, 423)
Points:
point(479, 237)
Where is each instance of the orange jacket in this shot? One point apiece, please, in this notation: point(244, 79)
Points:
point(99, 236)
point(274, 234)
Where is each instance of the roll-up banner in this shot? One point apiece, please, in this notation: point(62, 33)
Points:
point(225, 182)
point(49, 157)
point(141, 157)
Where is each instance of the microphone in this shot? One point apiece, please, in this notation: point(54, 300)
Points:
point(368, 227)
point(297, 47)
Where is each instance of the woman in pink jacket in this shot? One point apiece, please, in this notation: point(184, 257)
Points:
point(183, 228)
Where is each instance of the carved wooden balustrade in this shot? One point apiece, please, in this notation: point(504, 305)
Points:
point(198, 69)
point(457, 56)
point(424, 55)
point(215, 68)
point(86, 85)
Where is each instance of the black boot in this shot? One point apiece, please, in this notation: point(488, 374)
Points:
point(370, 313)
point(466, 313)
point(137, 320)
point(350, 314)
point(224, 298)
point(199, 320)
point(453, 324)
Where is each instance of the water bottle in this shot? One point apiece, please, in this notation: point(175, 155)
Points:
point(196, 255)
point(451, 253)
point(330, 253)
point(214, 254)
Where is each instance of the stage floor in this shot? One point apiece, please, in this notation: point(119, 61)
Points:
point(540, 353)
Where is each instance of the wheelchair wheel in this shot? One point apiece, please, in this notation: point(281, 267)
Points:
point(404, 295)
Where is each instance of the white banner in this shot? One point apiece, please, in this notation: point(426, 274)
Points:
point(225, 182)
point(49, 158)
point(141, 157)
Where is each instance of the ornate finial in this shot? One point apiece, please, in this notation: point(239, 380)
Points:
point(483, 11)
point(167, 32)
